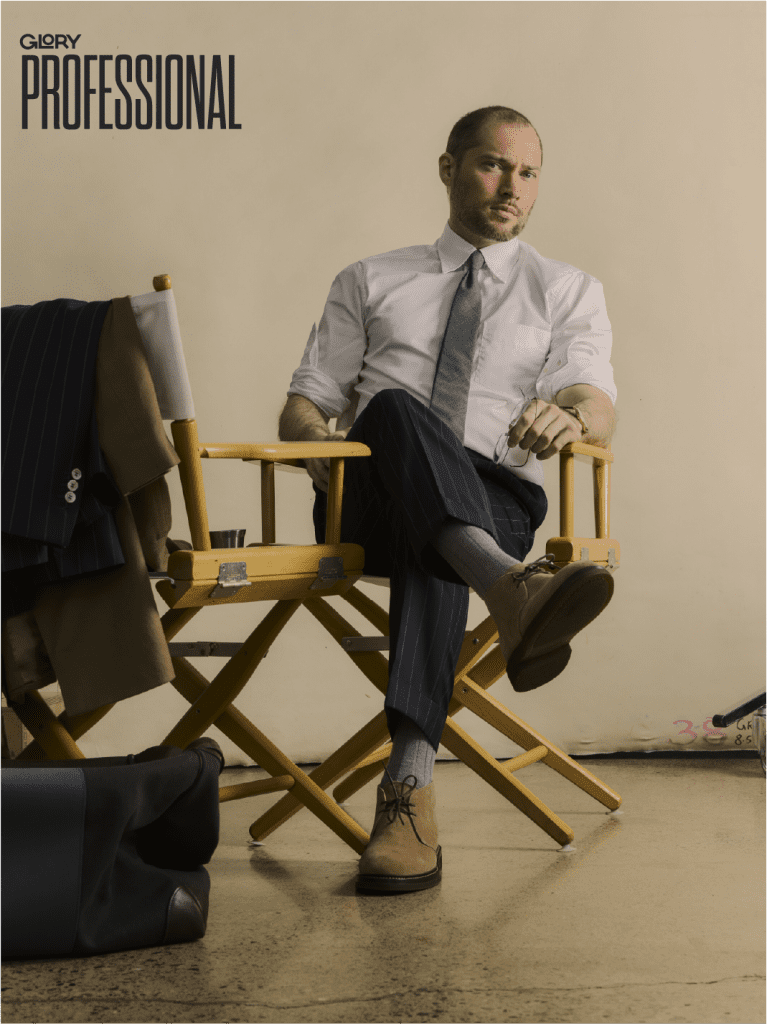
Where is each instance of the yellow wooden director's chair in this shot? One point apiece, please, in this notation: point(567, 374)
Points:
point(291, 575)
point(479, 666)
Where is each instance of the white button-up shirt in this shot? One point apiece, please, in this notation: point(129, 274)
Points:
point(543, 327)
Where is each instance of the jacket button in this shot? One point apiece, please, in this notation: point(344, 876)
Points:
point(76, 474)
point(72, 485)
point(69, 496)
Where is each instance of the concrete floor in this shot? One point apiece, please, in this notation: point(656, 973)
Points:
point(658, 915)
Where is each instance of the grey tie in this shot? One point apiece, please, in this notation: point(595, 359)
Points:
point(450, 393)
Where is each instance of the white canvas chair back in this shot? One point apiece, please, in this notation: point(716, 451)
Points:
point(156, 316)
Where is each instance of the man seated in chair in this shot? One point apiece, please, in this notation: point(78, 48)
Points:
point(462, 365)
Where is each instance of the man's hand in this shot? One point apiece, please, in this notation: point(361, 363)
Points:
point(301, 420)
point(544, 429)
point(319, 469)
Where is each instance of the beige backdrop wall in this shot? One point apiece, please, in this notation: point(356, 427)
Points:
point(652, 121)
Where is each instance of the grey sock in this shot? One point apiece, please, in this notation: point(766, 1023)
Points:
point(412, 754)
point(474, 554)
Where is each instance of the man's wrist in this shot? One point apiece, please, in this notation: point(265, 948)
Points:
point(572, 410)
point(317, 434)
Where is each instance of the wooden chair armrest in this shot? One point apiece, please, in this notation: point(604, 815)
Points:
point(593, 450)
point(602, 458)
point(284, 451)
point(291, 454)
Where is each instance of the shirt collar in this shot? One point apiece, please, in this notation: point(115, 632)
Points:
point(500, 258)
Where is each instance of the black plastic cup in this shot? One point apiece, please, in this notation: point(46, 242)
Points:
point(227, 538)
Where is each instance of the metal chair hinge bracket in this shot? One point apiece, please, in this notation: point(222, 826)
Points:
point(330, 571)
point(203, 649)
point(365, 643)
point(230, 576)
point(585, 555)
point(612, 559)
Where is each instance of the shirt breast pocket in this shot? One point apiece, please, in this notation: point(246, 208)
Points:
point(511, 356)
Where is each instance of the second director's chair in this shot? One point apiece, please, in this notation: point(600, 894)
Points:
point(364, 755)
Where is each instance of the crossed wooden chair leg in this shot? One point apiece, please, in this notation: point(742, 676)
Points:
point(363, 757)
point(212, 704)
point(53, 737)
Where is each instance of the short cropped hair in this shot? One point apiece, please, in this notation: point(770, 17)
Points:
point(465, 132)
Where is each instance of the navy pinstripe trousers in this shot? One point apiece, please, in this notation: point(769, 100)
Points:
point(419, 478)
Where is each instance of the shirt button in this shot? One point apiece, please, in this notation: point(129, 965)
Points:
point(69, 496)
point(72, 485)
point(76, 474)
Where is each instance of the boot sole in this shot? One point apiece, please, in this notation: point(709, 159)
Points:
point(544, 651)
point(401, 883)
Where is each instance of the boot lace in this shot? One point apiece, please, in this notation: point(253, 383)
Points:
point(543, 564)
point(400, 804)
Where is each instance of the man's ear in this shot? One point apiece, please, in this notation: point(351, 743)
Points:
point(447, 163)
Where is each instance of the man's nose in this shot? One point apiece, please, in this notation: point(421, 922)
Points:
point(508, 184)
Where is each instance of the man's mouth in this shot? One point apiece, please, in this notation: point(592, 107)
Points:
point(503, 208)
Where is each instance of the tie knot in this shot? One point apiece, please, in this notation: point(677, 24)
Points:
point(476, 260)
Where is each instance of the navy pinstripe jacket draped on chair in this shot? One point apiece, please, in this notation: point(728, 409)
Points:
point(58, 493)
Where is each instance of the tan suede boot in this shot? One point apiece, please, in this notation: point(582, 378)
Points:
point(538, 612)
point(403, 854)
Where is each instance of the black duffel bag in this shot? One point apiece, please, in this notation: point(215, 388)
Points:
point(108, 853)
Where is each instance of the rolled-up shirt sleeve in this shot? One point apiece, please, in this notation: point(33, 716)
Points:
point(335, 351)
point(580, 345)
